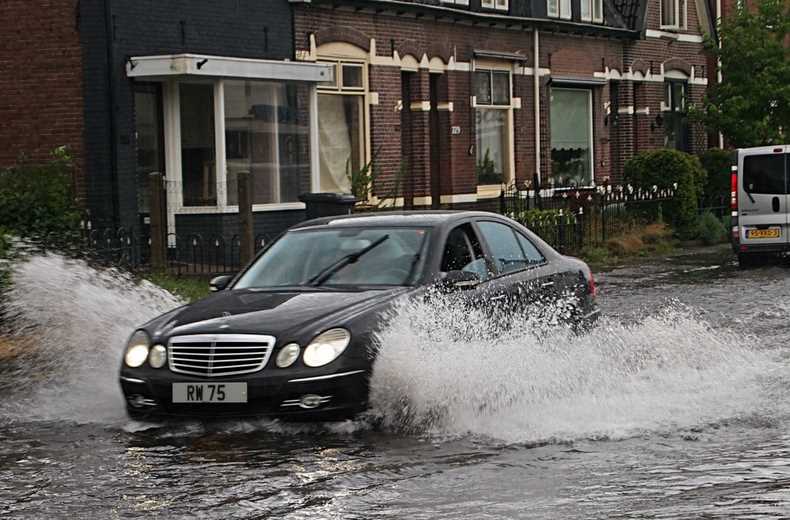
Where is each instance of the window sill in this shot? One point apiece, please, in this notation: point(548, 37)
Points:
point(489, 191)
point(256, 208)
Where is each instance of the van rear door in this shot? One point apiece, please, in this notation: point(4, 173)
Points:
point(763, 197)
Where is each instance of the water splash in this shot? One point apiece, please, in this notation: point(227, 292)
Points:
point(73, 321)
point(531, 384)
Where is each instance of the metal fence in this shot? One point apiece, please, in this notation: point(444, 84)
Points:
point(572, 219)
point(188, 254)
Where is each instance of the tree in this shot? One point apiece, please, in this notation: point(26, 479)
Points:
point(751, 106)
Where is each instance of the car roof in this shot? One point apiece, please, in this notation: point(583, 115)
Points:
point(424, 218)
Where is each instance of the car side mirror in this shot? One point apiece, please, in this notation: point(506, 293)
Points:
point(460, 280)
point(219, 283)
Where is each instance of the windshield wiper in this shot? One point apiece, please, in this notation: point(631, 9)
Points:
point(328, 271)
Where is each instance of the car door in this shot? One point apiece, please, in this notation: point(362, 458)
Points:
point(463, 251)
point(523, 275)
point(763, 196)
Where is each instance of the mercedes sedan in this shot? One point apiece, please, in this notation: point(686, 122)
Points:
point(293, 334)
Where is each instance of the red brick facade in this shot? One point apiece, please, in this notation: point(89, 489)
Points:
point(446, 48)
point(41, 106)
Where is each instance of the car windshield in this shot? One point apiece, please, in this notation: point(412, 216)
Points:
point(340, 256)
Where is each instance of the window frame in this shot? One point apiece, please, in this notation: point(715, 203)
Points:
point(594, 6)
point(362, 92)
point(456, 2)
point(680, 8)
point(562, 11)
point(591, 128)
point(498, 5)
point(508, 173)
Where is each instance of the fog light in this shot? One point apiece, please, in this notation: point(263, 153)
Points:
point(157, 356)
point(287, 355)
point(311, 401)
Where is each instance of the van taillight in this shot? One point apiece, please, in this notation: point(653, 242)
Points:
point(734, 189)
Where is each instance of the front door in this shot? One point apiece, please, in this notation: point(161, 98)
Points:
point(763, 199)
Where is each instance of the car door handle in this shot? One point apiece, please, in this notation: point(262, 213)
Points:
point(775, 204)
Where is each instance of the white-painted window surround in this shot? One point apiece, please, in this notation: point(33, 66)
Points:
point(674, 14)
point(592, 11)
point(456, 2)
point(501, 5)
point(493, 125)
point(559, 9)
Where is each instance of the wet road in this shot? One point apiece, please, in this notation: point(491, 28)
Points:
point(675, 408)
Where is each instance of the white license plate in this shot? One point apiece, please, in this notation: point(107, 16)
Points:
point(209, 392)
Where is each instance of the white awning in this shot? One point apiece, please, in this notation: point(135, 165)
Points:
point(201, 65)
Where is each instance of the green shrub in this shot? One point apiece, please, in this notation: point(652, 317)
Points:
point(670, 169)
point(716, 163)
point(36, 199)
point(710, 230)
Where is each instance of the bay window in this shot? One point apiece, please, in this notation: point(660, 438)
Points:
point(571, 137)
point(492, 125)
point(342, 126)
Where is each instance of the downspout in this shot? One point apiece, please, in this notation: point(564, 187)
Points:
point(536, 79)
point(111, 117)
point(718, 60)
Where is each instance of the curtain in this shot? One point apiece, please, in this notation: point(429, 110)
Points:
point(570, 119)
point(336, 131)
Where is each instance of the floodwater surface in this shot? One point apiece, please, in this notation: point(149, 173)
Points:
point(675, 406)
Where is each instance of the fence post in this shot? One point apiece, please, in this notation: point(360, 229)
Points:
point(157, 215)
point(246, 234)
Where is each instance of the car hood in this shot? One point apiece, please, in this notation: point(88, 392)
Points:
point(291, 313)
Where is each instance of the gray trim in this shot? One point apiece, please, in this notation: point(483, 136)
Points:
point(132, 380)
point(571, 80)
point(512, 56)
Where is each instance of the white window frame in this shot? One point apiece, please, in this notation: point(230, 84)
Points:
point(594, 11)
point(499, 5)
point(172, 130)
point(456, 2)
point(340, 90)
point(508, 173)
point(559, 9)
point(591, 128)
point(681, 15)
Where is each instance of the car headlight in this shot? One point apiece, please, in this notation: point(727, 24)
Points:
point(287, 355)
point(326, 347)
point(137, 349)
point(157, 356)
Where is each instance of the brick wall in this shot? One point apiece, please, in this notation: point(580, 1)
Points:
point(41, 82)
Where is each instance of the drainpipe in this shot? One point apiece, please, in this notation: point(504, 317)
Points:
point(536, 79)
point(111, 117)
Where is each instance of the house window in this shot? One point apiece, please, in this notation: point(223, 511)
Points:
point(571, 137)
point(673, 14)
point(198, 156)
point(262, 137)
point(676, 126)
point(342, 126)
point(456, 2)
point(592, 10)
point(501, 5)
point(492, 124)
point(559, 8)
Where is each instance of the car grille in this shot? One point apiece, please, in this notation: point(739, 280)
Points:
point(216, 355)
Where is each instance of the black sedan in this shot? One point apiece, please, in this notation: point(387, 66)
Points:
point(291, 335)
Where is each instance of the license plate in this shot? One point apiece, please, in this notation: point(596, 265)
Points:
point(209, 392)
point(763, 233)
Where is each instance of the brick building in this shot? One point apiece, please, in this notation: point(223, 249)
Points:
point(446, 99)
point(450, 99)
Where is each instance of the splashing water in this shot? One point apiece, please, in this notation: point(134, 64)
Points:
point(74, 321)
point(440, 370)
point(533, 384)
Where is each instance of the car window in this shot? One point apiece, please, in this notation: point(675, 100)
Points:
point(532, 254)
point(462, 252)
point(764, 173)
point(501, 239)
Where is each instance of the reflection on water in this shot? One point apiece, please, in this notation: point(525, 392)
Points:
point(675, 406)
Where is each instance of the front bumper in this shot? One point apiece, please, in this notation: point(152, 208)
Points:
point(343, 393)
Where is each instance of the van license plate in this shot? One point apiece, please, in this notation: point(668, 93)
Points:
point(209, 392)
point(763, 233)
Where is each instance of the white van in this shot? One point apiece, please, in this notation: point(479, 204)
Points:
point(761, 203)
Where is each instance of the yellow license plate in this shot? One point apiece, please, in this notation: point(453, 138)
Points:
point(763, 233)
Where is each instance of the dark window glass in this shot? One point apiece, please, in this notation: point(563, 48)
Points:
point(501, 88)
point(352, 76)
point(530, 251)
point(482, 87)
point(462, 252)
point(197, 144)
point(764, 173)
point(501, 239)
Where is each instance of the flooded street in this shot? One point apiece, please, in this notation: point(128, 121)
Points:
point(677, 406)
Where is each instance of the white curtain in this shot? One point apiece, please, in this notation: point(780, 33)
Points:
point(336, 148)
